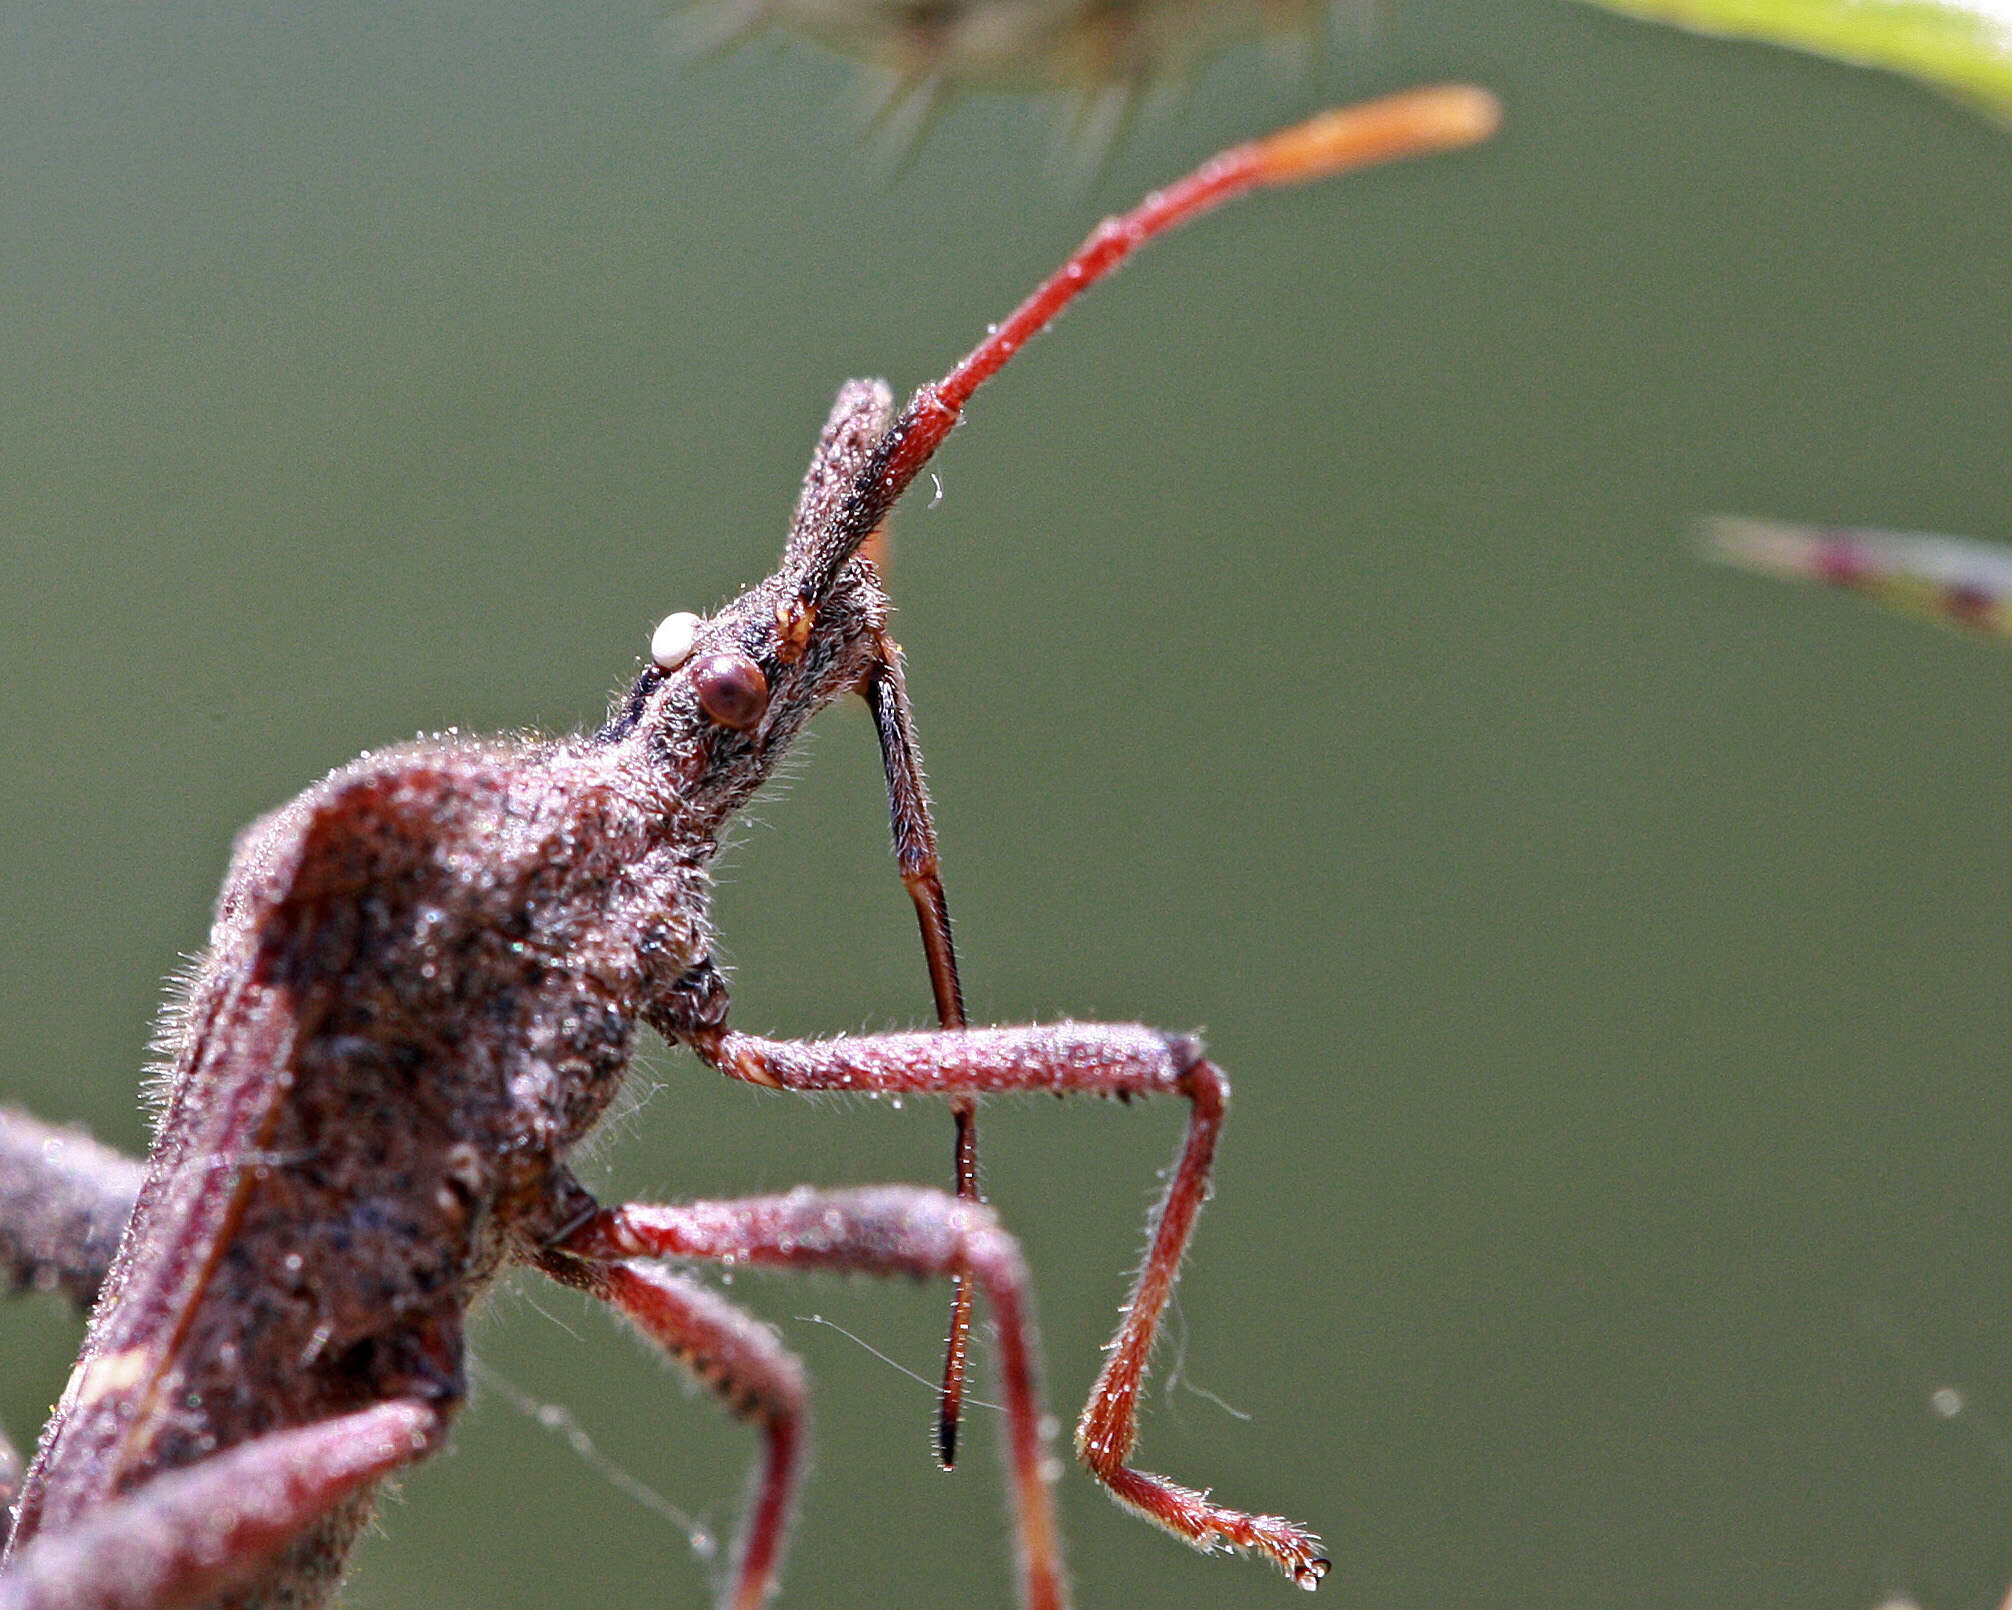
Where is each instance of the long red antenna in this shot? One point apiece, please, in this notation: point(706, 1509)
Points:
point(1414, 123)
point(1411, 124)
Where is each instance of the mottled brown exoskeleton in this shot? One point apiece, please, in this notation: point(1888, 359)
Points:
point(423, 987)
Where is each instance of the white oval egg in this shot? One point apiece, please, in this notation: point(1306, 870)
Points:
point(672, 642)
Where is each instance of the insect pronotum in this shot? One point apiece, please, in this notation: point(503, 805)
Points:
point(423, 987)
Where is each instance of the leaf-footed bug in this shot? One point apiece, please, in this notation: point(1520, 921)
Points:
point(423, 987)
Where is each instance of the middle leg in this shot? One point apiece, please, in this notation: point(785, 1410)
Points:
point(895, 1229)
point(740, 1359)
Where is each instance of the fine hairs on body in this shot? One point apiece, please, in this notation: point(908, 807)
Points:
point(424, 986)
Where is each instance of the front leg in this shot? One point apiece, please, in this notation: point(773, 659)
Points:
point(1122, 1060)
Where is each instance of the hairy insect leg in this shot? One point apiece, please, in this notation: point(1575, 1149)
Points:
point(64, 1202)
point(894, 1229)
point(189, 1535)
point(886, 693)
point(740, 1359)
point(1122, 1060)
point(10, 1484)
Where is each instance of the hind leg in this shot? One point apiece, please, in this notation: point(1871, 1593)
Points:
point(189, 1535)
point(64, 1201)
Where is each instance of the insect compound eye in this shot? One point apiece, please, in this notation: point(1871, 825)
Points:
point(732, 691)
point(671, 643)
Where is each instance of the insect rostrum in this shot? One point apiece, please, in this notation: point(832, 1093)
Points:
point(423, 986)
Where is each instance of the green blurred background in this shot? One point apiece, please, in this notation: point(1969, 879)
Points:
point(1609, 951)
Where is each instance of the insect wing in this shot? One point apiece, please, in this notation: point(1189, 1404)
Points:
point(237, 1035)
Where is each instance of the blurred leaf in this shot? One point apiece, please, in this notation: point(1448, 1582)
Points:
point(1954, 579)
point(1962, 48)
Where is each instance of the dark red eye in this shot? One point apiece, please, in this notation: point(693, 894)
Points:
point(732, 691)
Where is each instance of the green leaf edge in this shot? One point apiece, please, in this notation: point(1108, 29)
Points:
point(1964, 51)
